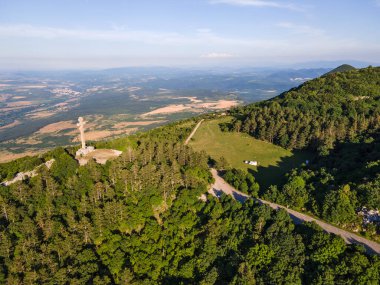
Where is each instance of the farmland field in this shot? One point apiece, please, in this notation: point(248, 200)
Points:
point(39, 110)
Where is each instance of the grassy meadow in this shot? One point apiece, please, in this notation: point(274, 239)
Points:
point(273, 161)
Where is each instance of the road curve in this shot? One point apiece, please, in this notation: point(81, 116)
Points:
point(222, 186)
point(193, 132)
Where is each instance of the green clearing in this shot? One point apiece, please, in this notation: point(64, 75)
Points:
point(274, 161)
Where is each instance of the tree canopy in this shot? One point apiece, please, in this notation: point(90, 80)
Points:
point(139, 219)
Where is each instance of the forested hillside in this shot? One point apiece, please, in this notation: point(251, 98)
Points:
point(337, 116)
point(335, 107)
point(342, 68)
point(139, 220)
point(336, 187)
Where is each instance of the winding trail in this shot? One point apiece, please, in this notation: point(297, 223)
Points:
point(222, 186)
point(193, 132)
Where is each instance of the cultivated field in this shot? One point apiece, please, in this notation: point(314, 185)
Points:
point(273, 161)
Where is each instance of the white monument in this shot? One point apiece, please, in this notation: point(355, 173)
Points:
point(84, 149)
point(85, 153)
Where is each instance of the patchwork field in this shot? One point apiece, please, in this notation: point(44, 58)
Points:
point(98, 127)
point(38, 110)
point(273, 161)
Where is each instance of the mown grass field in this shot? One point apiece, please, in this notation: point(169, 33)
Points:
point(274, 161)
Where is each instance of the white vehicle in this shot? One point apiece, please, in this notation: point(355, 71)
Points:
point(251, 162)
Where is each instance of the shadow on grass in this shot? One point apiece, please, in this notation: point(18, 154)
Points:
point(275, 175)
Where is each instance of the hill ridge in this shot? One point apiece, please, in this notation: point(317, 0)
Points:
point(341, 68)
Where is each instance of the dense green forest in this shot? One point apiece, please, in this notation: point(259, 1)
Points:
point(139, 219)
point(342, 68)
point(242, 181)
point(337, 116)
point(335, 107)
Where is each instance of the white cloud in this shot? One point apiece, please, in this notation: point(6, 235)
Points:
point(217, 55)
point(302, 29)
point(20, 42)
point(204, 31)
point(258, 3)
point(29, 31)
point(199, 41)
point(201, 37)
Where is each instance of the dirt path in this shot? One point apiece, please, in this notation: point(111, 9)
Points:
point(221, 186)
point(193, 132)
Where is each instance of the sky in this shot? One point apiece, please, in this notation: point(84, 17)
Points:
point(96, 34)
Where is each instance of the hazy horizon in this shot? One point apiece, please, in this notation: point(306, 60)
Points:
point(204, 68)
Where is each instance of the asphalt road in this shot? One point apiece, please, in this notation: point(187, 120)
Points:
point(222, 186)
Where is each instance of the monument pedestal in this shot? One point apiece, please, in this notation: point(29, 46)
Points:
point(84, 151)
point(89, 152)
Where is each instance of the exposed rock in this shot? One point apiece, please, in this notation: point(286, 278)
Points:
point(28, 174)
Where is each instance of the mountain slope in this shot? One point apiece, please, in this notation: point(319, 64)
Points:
point(138, 220)
point(341, 68)
point(338, 117)
point(142, 219)
point(335, 107)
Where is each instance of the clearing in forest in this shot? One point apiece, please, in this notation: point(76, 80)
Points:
point(273, 161)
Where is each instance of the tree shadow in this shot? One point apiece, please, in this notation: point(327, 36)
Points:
point(239, 197)
point(348, 161)
point(275, 174)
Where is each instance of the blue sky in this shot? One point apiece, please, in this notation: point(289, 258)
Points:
point(66, 34)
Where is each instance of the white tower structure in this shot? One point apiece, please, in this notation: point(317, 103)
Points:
point(84, 149)
point(80, 125)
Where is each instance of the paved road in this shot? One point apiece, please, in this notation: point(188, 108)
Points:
point(222, 186)
point(193, 132)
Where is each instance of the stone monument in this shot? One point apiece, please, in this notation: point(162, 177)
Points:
point(84, 149)
point(85, 153)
